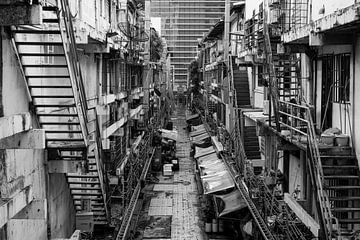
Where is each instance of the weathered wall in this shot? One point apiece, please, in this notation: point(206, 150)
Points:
point(356, 100)
point(329, 6)
point(14, 91)
point(61, 207)
point(296, 175)
point(90, 73)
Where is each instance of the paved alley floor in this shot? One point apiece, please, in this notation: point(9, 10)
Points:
point(172, 206)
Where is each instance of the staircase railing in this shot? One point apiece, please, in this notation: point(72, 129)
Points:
point(70, 51)
point(297, 119)
point(315, 162)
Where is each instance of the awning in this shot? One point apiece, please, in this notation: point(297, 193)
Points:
point(199, 127)
point(217, 182)
point(197, 132)
point(199, 152)
point(169, 134)
point(230, 203)
point(200, 137)
point(192, 117)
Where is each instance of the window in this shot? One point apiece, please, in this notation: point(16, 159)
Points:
point(342, 78)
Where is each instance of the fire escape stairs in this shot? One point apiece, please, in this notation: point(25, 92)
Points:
point(342, 184)
point(48, 60)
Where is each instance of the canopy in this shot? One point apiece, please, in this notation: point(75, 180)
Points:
point(217, 182)
point(200, 137)
point(169, 134)
point(197, 132)
point(199, 127)
point(192, 117)
point(231, 202)
point(199, 152)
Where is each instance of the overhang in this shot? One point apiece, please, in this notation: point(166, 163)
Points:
point(340, 21)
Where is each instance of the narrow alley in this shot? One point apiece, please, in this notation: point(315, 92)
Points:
point(172, 209)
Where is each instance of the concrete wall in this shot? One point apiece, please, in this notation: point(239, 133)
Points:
point(14, 91)
point(329, 5)
point(61, 207)
point(296, 175)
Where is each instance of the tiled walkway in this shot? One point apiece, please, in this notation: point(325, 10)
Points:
point(177, 196)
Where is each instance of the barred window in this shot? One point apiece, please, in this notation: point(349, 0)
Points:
point(342, 78)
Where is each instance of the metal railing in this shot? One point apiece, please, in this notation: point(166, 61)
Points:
point(72, 59)
point(297, 119)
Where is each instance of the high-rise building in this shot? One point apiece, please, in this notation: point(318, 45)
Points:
point(183, 22)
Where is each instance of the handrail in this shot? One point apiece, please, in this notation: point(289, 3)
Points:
point(69, 43)
point(70, 51)
point(325, 209)
point(302, 114)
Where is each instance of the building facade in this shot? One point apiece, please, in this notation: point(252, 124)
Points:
point(293, 81)
point(183, 23)
point(72, 103)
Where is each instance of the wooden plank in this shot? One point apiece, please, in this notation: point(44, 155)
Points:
point(302, 215)
point(14, 124)
point(10, 208)
point(33, 139)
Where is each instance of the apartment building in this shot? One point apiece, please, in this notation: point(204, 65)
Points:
point(291, 79)
point(73, 79)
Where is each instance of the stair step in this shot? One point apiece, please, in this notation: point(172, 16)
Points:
point(62, 131)
point(52, 96)
point(50, 86)
point(342, 187)
point(86, 193)
point(349, 220)
point(93, 204)
point(45, 66)
point(355, 209)
point(342, 176)
point(50, 20)
point(57, 115)
point(47, 76)
point(342, 166)
point(60, 123)
point(344, 198)
point(74, 175)
point(54, 105)
point(64, 139)
point(86, 188)
point(84, 182)
point(21, 43)
point(32, 31)
point(49, 8)
point(41, 55)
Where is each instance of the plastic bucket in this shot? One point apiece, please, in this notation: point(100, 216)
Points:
point(214, 226)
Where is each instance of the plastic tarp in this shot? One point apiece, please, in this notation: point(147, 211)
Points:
point(192, 117)
point(169, 134)
point(217, 182)
point(198, 132)
point(199, 127)
point(208, 159)
point(232, 202)
point(201, 137)
point(199, 152)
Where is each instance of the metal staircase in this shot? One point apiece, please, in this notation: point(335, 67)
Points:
point(51, 68)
